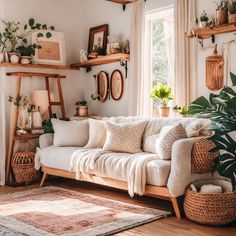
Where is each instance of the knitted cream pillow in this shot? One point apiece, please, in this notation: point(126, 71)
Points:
point(97, 133)
point(166, 139)
point(124, 137)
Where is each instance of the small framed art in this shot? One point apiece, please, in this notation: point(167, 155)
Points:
point(52, 49)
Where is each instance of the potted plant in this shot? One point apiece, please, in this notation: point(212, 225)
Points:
point(221, 110)
point(162, 94)
point(222, 12)
point(203, 19)
point(232, 11)
point(82, 106)
point(27, 51)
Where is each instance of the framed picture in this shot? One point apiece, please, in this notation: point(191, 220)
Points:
point(116, 85)
point(52, 49)
point(98, 38)
point(102, 86)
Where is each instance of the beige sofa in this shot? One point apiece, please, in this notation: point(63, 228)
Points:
point(166, 179)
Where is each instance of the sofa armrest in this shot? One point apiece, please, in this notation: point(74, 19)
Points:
point(46, 140)
point(180, 174)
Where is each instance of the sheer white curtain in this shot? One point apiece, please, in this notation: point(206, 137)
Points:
point(139, 86)
point(185, 53)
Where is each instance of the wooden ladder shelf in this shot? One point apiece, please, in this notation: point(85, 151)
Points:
point(13, 136)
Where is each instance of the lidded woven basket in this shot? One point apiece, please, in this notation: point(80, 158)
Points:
point(23, 166)
point(211, 208)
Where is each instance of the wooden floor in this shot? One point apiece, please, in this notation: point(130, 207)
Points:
point(164, 227)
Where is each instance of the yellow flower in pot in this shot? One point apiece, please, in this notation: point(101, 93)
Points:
point(162, 94)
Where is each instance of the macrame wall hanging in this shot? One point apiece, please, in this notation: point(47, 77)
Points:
point(215, 71)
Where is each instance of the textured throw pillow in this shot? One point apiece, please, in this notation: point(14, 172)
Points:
point(149, 144)
point(124, 137)
point(70, 133)
point(97, 134)
point(166, 139)
point(198, 128)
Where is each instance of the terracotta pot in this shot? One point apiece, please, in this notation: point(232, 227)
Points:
point(164, 111)
point(232, 18)
point(82, 111)
point(221, 17)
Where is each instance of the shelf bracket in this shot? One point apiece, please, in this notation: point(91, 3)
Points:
point(124, 7)
point(88, 69)
point(213, 38)
point(125, 65)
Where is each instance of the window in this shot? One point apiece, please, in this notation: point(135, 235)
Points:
point(159, 46)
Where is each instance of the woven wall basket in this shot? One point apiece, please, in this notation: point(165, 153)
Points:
point(211, 209)
point(23, 166)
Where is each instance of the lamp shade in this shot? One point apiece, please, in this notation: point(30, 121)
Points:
point(40, 98)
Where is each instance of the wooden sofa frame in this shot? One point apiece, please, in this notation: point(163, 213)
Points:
point(151, 190)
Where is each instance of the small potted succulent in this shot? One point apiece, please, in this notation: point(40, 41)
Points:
point(232, 11)
point(204, 19)
point(27, 51)
point(82, 106)
point(162, 94)
point(222, 12)
point(181, 111)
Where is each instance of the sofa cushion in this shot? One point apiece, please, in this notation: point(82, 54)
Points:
point(124, 137)
point(166, 139)
point(60, 158)
point(97, 133)
point(70, 133)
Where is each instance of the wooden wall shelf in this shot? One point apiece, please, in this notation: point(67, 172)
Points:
point(102, 60)
point(203, 33)
point(36, 66)
point(122, 2)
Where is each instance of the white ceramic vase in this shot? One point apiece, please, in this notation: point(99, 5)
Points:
point(1, 57)
point(37, 119)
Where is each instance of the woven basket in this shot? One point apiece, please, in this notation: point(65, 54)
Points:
point(211, 209)
point(23, 166)
point(202, 160)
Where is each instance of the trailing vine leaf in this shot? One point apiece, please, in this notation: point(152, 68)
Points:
point(31, 22)
point(39, 35)
point(48, 35)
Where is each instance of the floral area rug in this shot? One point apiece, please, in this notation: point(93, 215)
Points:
point(58, 211)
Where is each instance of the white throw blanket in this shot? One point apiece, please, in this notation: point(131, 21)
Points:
point(133, 166)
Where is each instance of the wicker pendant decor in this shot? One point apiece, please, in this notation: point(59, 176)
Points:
point(215, 71)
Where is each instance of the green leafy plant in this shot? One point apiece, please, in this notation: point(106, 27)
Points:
point(221, 109)
point(162, 94)
point(232, 6)
point(48, 127)
point(12, 37)
point(183, 110)
point(27, 50)
point(204, 17)
point(222, 5)
point(84, 102)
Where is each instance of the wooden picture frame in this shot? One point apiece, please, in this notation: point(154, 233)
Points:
point(53, 51)
point(98, 35)
point(102, 86)
point(116, 85)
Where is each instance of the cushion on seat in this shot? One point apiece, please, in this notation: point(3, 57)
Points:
point(60, 158)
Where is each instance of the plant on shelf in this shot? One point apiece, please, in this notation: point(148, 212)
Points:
point(204, 19)
point(15, 41)
point(221, 110)
point(162, 94)
point(182, 111)
point(221, 12)
point(82, 106)
point(232, 11)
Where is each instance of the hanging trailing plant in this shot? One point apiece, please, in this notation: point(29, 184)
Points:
point(221, 110)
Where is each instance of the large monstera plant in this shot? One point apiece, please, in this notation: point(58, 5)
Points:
point(221, 110)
